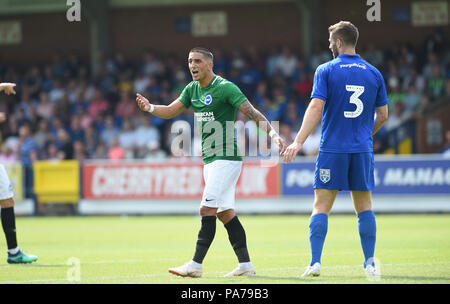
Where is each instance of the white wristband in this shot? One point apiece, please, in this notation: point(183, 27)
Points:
point(272, 133)
point(152, 108)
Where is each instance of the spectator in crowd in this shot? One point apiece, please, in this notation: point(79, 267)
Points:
point(397, 117)
point(312, 143)
point(45, 109)
point(431, 65)
point(127, 138)
point(249, 78)
point(76, 132)
point(424, 103)
point(110, 131)
point(52, 153)
point(287, 63)
point(151, 65)
point(57, 91)
point(237, 60)
point(101, 151)
point(304, 85)
point(7, 155)
point(271, 62)
point(293, 118)
point(29, 153)
point(141, 82)
point(79, 151)
point(373, 55)
point(64, 143)
point(26, 105)
point(436, 83)
point(99, 105)
point(116, 152)
point(153, 152)
point(414, 79)
point(320, 55)
point(43, 135)
point(28, 148)
point(91, 140)
point(126, 107)
point(286, 133)
point(145, 134)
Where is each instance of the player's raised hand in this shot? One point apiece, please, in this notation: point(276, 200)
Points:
point(291, 151)
point(8, 87)
point(142, 102)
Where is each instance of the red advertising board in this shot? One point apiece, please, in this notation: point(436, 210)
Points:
point(170, 181)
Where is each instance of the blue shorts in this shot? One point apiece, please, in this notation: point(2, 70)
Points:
point(344, 171)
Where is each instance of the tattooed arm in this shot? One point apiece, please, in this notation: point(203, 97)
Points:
point(261, 121)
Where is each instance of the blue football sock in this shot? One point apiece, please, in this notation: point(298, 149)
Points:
point(318, 227)
point(367, 231)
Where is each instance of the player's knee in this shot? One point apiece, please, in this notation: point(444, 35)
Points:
point(7, 203)
point(321, 207)
point(207, 211)
point(226, 216)
point(361, 207)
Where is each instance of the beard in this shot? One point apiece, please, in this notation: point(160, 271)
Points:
point(335, 51)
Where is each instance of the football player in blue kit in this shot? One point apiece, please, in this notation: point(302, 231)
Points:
point(349, 97)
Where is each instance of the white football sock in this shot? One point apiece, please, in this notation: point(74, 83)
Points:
point(13, 251)
point(245, 265)
point(196, 265)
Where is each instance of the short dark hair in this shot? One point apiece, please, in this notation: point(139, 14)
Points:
point(345, 31)
point(203, 51)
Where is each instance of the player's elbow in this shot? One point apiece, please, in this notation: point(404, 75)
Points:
point(316, 106)
point(382, 114)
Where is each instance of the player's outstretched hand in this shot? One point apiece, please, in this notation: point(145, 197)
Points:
point(280, 142)
point(291, 151)
point(142, 102)
point(2, 117)
point(8, 87)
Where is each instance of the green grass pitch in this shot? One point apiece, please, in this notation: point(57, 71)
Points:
point(410, 248)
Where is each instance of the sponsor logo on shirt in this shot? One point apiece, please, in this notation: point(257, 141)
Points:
point(208, 100)
point(350, 65)
point(204, 116)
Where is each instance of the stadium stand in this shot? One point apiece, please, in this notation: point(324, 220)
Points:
point(74, 115)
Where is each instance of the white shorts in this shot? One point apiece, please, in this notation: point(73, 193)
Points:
point(6, 190)
point(220, 178)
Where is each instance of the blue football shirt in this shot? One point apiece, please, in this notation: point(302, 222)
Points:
point(352, 89)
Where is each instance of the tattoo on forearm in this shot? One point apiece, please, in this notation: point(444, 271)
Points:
point(256, 116)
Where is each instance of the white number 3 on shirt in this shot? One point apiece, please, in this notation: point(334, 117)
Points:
point(357, 91)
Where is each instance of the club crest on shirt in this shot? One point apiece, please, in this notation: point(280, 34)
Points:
point(208, 100)
point(325, 175)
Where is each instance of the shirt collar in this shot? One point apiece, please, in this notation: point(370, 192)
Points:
point(349, 56)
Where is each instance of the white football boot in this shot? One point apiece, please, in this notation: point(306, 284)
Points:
point(372, 273)
point(187, 270)
point(241, 271)
point(313, 270)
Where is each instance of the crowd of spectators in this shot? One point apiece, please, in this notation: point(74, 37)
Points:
point(62, 111)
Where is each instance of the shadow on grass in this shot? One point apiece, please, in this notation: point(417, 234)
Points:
point(36, 265)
